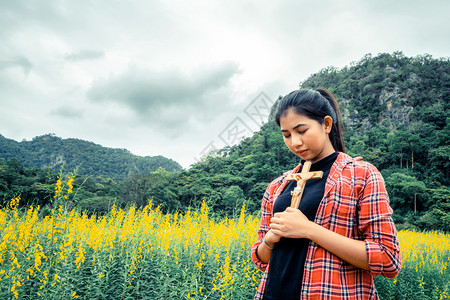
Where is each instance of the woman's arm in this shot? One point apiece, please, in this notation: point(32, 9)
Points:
point(264, 250)
point(376, 225)
point(261, 256)
point(292, 223)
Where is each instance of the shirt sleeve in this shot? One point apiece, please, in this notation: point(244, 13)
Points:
point(266, 215)
point(377, 226)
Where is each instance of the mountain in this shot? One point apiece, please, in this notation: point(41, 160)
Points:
point(389, 89)
point(50, 151)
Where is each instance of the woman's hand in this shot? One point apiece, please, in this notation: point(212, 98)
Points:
point(264, 252)
point(291, 223)
point(271, 238)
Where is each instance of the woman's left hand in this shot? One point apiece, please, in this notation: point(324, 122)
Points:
point(291, 223)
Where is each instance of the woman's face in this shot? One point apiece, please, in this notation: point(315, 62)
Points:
point(306, 137)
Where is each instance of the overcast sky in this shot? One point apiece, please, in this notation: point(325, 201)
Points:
point(178, 78)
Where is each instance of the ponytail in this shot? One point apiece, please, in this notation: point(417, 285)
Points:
point(315, 104)
point(336, 136)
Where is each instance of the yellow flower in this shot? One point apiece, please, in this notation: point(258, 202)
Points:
point(14, 202)
point(69, 184)
point(58, 187)
point(80, 257)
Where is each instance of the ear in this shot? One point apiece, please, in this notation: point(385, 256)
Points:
point(328, 123)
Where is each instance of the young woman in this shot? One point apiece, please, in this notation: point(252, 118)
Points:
point(342, 235)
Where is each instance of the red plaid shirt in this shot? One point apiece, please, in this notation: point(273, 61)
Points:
point(355, 205)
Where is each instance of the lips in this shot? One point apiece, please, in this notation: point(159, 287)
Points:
point(302, 152)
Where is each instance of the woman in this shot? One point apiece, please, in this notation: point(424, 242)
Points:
point(342, 235)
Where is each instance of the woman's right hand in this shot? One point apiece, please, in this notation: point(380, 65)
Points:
point(264, 252)
point(271, 238)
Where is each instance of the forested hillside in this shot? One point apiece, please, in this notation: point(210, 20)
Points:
point(51, 152)
point(396, 115)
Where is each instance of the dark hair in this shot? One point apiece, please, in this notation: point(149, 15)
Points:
point(315, 104)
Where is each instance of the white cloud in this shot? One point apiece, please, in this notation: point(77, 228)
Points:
point(20, 62)
point(85, 55)
point(168, 99)
point(66, 111)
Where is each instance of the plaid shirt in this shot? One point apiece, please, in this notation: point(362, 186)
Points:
point(355, 205)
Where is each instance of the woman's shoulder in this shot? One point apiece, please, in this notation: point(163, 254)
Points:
point(357, 162)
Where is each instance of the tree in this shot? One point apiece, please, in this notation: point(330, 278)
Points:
point(233, 199)
point(404, 191)
point(438, 216)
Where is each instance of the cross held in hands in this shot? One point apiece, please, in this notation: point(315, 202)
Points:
point(301, 179)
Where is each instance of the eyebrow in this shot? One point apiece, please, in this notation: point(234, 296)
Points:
point(295, 127)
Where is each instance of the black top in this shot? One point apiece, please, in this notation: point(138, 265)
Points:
point(288, 257)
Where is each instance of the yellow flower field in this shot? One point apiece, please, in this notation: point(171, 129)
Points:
point(143, 254)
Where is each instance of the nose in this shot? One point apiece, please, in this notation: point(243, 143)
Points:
point(296, 141)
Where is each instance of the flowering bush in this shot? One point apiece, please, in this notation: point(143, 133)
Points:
point(143, 254)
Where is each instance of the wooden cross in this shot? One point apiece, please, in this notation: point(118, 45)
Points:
point(301, 179)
